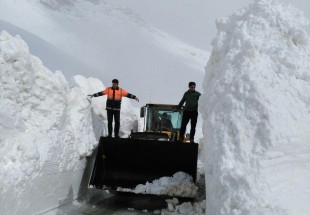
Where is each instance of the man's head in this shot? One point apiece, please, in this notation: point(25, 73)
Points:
point(114, 83)
point(191, 86)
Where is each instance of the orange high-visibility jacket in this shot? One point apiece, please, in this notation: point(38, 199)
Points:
point(114, 99)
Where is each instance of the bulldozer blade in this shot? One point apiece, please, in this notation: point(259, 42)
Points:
point(125, 162)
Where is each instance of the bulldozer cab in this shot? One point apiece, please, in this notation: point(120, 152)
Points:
point(162, 118)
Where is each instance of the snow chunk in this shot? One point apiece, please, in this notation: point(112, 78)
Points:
point(188, 208)
point(180, 184)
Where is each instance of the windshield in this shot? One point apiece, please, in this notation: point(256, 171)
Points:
point(163, 118)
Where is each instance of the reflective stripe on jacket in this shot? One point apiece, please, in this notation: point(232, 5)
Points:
point(116, 94)
point(114, 97)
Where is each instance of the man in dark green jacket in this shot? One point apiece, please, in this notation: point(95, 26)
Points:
point(190, 112)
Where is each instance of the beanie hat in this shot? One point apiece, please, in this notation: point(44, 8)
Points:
point(115, 81)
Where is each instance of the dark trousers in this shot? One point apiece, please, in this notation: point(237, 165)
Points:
point(116, 115)
point(189, 115)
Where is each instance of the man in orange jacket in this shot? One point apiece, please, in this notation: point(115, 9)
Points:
point(113, 107)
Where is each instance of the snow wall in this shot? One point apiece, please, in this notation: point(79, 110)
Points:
point(256, 112)
point(47, 129)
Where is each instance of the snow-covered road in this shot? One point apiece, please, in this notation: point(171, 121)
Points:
point(119, 203)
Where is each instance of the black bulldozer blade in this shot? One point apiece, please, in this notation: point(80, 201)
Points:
point(125, 162)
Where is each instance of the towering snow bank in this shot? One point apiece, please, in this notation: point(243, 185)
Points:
point(256, 113)
point(45, 131)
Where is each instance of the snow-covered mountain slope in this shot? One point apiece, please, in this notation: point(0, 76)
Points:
point(52, 57)
point(113, 43)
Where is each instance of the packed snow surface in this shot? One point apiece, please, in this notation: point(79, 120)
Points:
point(256, 111)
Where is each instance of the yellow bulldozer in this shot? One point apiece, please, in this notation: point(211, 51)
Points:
point(147, 155)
